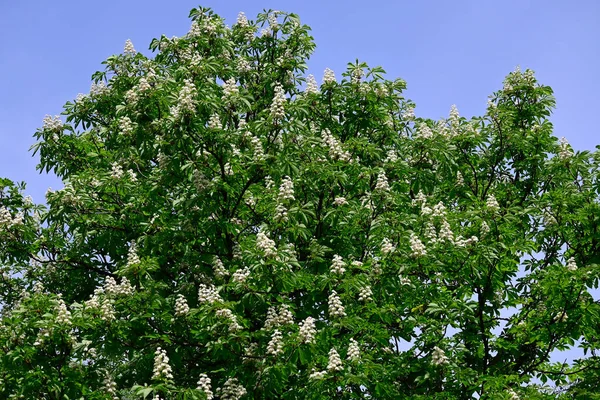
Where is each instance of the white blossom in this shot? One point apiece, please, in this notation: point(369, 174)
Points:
point(460, 181)
point(64, 316)
point(340, 201)
point(242, 20)
point(416, 246)
point(438, 357)
point(107, 311)
point(485, 228)
point(337, 265)
point(328, 76)
point(129, 49)
point(214, 122)
point(204, 384)
point(336, 308)
point(492, 203)
point(162, 369)
point(565, 150)
point(266, 245)
point(424, 131)
point(230, 89)
point(181, 306)
point(241, 275)
point(125, 126)
point(571, 264)
point(286, 189)
point(51, 123)
point(335, 149)
point(110, 386)
point(219, 268)
point(208, 294)
point(231, 317)
point(275, 346)
point(446, 232)
point(353, 350)
point(308, 330)
point(365, 293)
point(231, 390)
point(391, 157)
point(382, 182)
point(512, 395)
point(387, 247)
point(316, 375)
point(143, 85)
point(243, 66)
point(311, 85)
point(335, 362)
point(186, 101)
point(277, 106)
point(98, 89)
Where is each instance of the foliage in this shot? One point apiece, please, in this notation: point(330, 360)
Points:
point(224, 215)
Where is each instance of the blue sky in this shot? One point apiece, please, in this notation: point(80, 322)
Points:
point(449, 53)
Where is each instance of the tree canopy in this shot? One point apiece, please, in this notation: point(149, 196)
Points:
point(230, 229)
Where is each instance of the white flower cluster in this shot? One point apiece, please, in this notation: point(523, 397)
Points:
point(214, 122)
point(6, 218)
point(335, 362)
point(409, 114)
point(185, 100)
point(311, 85)
point(565, 150)
point(286, 189)
point(335, 148)
point(241, 275)
point(328, 76)
point(485, 229)
point(98, 89)
point(387, 247)
point(208, 294)
point(243, 66)
point(230, 89)
point(129, 49)
point(204, 384)
point(231, 390)
point(107, 310)
point(340, 201)
point(125, 126)
point(266, 245)
point(162, 369)
point(132, 256)
point(181, 306)
point(492, 203)
point(275, 346)
point(308, 330)
point(64, 316)
point(51, 123)
point(111, 288)
point(336, 308)
point(438, 357)
point(277, 318)
point(353, 350)
point(219, 268)
point(337, 265)
point(259, 153)
point(391, 157)
point(316, 375)
point(416, 246)
point(116, 171)
point(365, 293)
point(512, 395)
point(460, 181)
point(382, 182)
point(230, 316)
point(571, 264)
point(424, 131)
point(277, 106)
point(110, 386)
point(242, 20)
point(143, 85)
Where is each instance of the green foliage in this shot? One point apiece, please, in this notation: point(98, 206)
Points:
point(224, 215)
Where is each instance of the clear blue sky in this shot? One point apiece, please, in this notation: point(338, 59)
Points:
point(449, 52)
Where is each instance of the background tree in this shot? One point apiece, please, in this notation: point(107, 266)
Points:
point(229, 228)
